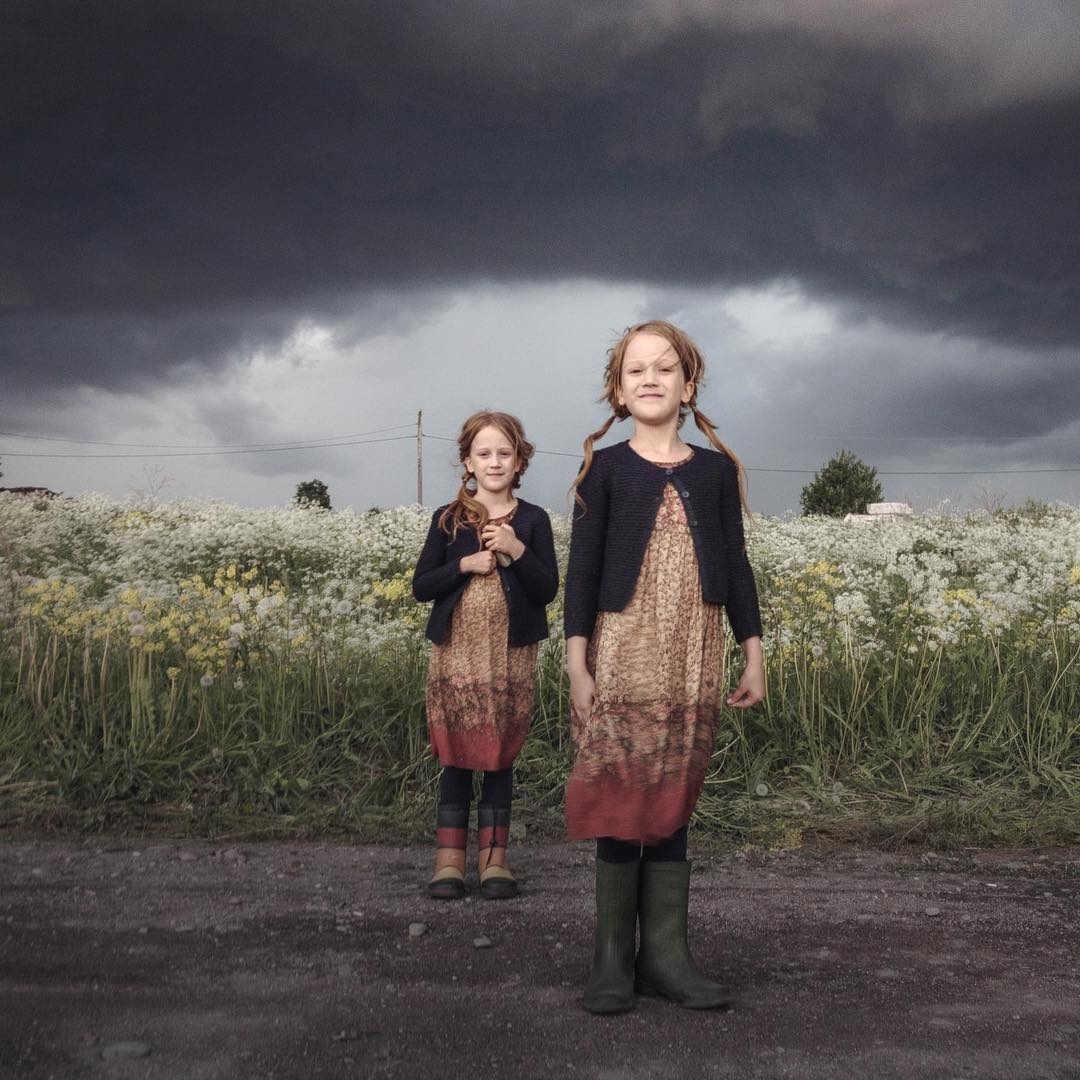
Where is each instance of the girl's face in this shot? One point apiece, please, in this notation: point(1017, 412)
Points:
point(652, 386)
point(492, 461)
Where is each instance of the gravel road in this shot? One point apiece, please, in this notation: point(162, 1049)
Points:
point(169, 959)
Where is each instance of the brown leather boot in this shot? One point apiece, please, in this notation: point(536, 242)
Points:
point(451, 838)
point(492, 835)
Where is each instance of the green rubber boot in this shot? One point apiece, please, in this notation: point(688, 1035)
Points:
point(610, 988)
point(665, 967)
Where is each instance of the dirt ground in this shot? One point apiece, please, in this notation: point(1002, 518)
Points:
point(177, 959)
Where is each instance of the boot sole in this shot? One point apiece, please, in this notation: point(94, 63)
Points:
point(648, 990)
point(609, 1008)
point(498, 890)
point(446, 890)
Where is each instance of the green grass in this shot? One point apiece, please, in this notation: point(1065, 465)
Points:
point(971, 746)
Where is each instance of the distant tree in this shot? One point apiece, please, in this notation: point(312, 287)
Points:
point(312, 493)
point(156, 480)
point(843, 485)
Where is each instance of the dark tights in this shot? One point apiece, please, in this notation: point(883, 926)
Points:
point(673, 849)
point(455, 787)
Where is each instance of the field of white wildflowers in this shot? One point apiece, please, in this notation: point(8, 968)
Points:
point(206, 661)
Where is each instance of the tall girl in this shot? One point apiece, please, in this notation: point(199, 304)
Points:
point(489, 565)
point(657, 551)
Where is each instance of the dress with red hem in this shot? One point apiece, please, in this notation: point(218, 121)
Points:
point(480, 689)
point(643, 752)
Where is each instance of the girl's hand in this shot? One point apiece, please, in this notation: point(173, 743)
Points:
point(751, 688)
point(483, 562)
point(502, 539)
point(582, 697)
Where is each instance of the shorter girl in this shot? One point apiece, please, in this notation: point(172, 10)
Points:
point(656, 557)
point(489, 565)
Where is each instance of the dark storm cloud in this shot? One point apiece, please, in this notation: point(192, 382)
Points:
point(184, 181)
point(49, 350)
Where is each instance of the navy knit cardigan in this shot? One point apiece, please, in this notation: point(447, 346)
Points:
point(529, 583)
point(622, 493)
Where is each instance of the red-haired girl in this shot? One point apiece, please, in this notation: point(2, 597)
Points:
point(489, 566)
point(657, 552)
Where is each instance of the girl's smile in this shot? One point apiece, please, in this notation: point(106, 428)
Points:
point(652, 386)
point(492, 461)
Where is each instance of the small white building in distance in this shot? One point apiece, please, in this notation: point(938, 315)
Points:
point(883, 511)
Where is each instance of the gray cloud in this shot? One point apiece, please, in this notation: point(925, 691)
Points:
point(187, 185)
point(170, 164)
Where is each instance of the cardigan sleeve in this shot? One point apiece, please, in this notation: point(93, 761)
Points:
point(434, 577)
point(587, 540)
point(742, 598)
point(537, 569)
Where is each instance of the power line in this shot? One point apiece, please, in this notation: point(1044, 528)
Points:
point(363, 439)
point(208, 453)
point(813, 472)
point(838, 437)
point(197, 446)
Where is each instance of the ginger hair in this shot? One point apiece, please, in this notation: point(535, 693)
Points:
point(693, 367)
point(466, 510)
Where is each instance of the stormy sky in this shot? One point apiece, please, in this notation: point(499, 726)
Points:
point(243, 244)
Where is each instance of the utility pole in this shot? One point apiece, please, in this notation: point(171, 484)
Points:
point(420, 458)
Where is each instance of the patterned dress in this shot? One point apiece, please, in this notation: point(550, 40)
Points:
point(480, 688)
point(643, 752)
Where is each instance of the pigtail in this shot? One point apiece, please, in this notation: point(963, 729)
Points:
point(463, 511)
point(708, 429)
point(587, 464)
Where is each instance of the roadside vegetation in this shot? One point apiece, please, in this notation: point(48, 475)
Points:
point(207, 669)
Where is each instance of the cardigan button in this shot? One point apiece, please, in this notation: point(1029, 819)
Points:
point(668, 471)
